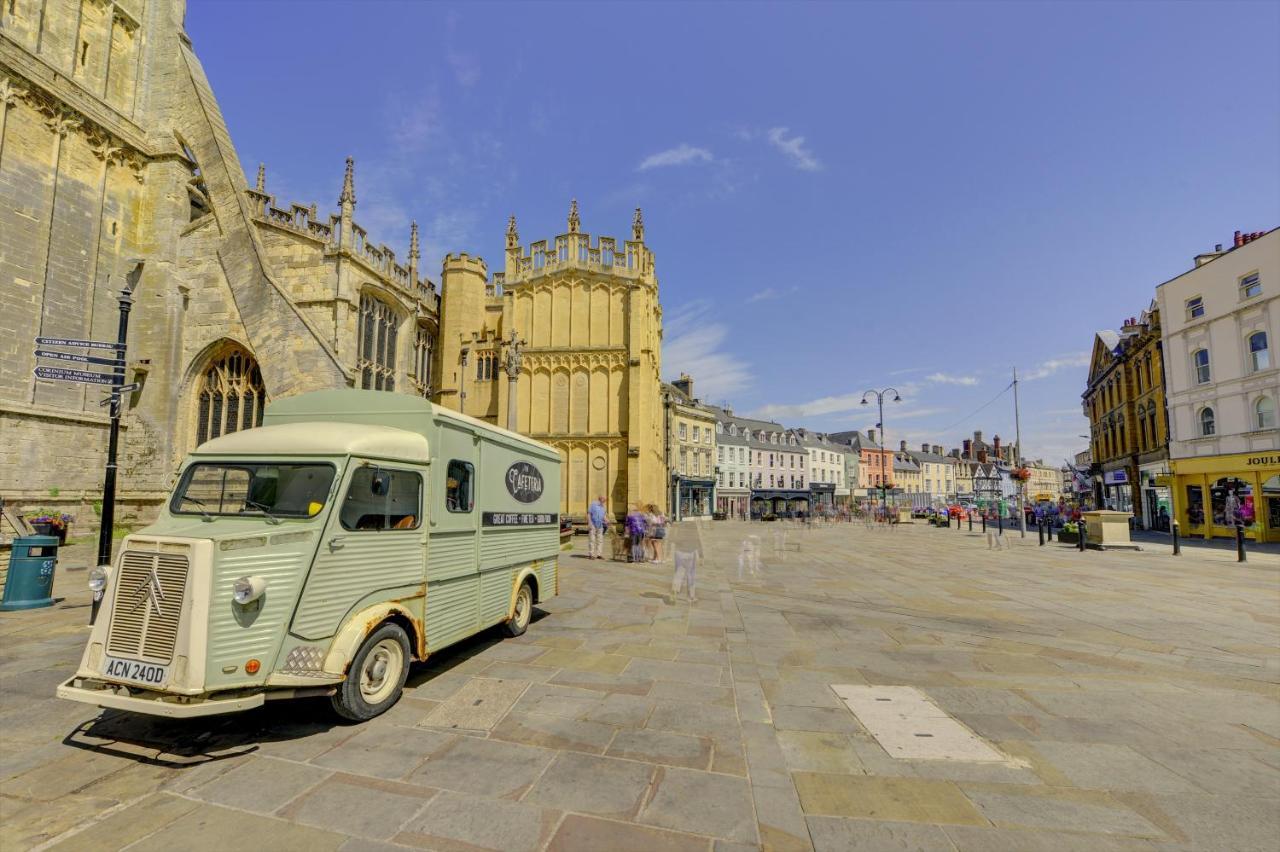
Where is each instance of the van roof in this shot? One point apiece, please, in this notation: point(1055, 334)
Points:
point(415, 414)
point(322, 439)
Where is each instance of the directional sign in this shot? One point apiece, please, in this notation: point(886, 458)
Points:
point(69, 341)
point(62, 374)
point(79, 359)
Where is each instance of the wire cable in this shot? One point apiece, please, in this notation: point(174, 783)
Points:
point(977, 410)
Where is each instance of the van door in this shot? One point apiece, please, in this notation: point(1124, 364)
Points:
point(373, 549)
point(453, 570)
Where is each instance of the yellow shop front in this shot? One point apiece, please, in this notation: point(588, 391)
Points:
point(1210, 493)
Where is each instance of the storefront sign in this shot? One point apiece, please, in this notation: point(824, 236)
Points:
point(1115, 477)
point(518, 519)
point(1262, 460)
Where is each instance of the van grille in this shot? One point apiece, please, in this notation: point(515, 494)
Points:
point(148, 606)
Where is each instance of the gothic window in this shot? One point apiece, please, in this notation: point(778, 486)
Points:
point(422, 346)
point(231, 396)
point(197, 190)
point(377, 336)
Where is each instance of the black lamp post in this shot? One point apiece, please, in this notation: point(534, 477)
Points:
point(884, 478)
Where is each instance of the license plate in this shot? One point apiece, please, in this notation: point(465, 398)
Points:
point(147, 674)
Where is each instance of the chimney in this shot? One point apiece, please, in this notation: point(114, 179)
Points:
point(937, 449)
point(1217, 247)
point(924, 448)
point(1239, 240)
point(871, 435)
point(684, 384)
point(902, 446)
point(977, 436)
point(995, 445)
point(967, 452)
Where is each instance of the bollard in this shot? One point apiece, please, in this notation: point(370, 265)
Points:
point(1082, 533)
point(970, 514)
point(1240, 557)
point(1000, 523)
point(984, 523)
point(1040, 530)
point(1177, 545)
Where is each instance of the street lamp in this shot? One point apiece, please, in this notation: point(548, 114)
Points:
point(884, 478)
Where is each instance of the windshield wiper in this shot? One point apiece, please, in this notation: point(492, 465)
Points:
point(208, 519)
point(271, 519)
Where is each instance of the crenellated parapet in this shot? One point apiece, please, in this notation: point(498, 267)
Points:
point(574, 249)
point(339, 234)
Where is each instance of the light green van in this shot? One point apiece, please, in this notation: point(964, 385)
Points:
point(353, 532)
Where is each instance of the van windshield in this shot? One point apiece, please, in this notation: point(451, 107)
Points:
point(269, 489)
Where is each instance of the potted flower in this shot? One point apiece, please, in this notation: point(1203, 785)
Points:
point(1070, 533)
point(51, 522)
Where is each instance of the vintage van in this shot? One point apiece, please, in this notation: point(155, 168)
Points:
point(321, 553)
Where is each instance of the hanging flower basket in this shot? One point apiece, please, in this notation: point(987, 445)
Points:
point(1021, 474)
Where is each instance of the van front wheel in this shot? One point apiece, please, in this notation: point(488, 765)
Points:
point(519, 621)
point(376, 676)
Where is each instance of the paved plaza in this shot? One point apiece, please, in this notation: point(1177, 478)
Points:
point(1132, 700)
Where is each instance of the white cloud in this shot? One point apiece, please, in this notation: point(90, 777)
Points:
point(1062, 362)
point(801, 157)
point(681, 155)
point(771, 293)
point(948, 379)
point(692, 344)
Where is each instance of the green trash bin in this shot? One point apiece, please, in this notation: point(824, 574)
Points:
point(29, 583)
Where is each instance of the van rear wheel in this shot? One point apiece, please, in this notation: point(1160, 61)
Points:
point(376, 676)
point(519, 621)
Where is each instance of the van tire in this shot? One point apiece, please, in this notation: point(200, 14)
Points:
point(523, 614)
point(376, 676)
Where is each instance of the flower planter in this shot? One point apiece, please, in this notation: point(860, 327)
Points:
point(1068, 537)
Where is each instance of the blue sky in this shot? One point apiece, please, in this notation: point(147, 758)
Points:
point(839, 196)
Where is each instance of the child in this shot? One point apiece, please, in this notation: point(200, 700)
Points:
point(636, 529)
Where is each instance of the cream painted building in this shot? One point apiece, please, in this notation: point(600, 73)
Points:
point(691, 451)
point(1220, 322)
point(937, 472)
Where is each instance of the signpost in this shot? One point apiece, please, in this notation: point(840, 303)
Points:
point(114, 380)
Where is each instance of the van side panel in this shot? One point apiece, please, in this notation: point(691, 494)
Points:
point(453, 574)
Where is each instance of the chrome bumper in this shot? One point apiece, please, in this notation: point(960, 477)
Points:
point(105, 695)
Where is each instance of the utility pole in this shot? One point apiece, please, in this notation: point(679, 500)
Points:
point(884, 477)
point(1017, 458)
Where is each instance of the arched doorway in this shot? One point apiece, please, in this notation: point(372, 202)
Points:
point(230, 395)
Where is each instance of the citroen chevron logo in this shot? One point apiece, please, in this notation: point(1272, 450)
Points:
point(149, 591)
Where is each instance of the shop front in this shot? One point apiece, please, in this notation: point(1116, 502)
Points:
point(1153, 485)
point(1214, 493)
point(696, 497)
point(733, 503)
point(779, 503)
point(822, 495)
point(1117, 490)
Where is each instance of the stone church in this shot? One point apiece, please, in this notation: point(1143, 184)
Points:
point(113, 150)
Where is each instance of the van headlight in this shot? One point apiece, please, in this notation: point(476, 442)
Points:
point(98, 578)
point(248, 589)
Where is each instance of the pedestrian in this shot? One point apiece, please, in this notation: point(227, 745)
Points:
point(686, 568)
point(636, 533)
point(657, 532)
point(598, 528)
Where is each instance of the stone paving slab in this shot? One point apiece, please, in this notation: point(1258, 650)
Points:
point(1139, 695)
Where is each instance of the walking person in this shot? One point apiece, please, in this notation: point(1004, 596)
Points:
point(636, 529)
point(657, 531)
point(598, 528)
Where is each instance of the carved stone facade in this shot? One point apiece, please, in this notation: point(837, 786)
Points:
point(590, 330)
point(113, 149)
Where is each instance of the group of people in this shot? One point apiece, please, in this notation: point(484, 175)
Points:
point(645, 528)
